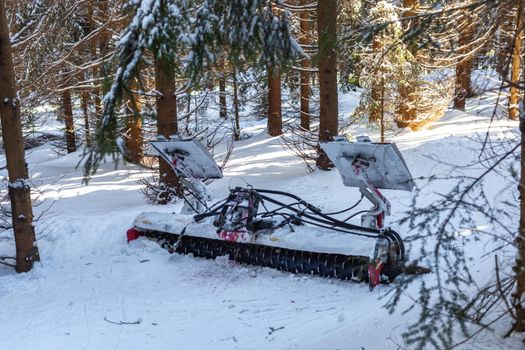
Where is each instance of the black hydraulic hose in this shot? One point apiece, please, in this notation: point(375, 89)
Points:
point(211, 211)
point(197, 198)
point(315, 210)
point(342, 230)
point(327, 219)
point(347, 209)
point(316, 223)
point(188, 202)
point(354, 215)
point(397, 238)
point(331, 223)
point(281, 207)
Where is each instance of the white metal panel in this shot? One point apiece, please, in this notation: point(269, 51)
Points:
point(195, 158)
point(387, 168)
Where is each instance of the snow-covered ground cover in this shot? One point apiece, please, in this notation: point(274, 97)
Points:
point(94, 291)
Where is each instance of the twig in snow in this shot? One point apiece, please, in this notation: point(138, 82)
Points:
point(272, 330)
point(120, 323)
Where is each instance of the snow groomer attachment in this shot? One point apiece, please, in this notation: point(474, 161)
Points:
point(192, 164)
point(280, 230)
point(372, 166)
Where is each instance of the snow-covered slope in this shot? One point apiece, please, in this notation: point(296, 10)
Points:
point(94, 291)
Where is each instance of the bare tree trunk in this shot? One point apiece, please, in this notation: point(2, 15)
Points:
point(514, 97)
point(519, 268)
point(328, 125)
point(133, 137)
point(167, 124)
point(237, 127)
point(504, 43)
point(305, 81)
point(406, 109)
point(377, 86)
point(19, 191)
point(275, 121)
point(84, 96)
point(97, 101)
point(67, 110)
point(105, 35)
point(103, 47)
point(463, 72)
point(222, 96)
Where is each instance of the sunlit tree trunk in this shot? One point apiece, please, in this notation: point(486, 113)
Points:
point(275, 122)
point(327, 61)
point(133, 133)
point(377, 86)
point(19, 190)
point(515, 72)
point(406, 109)
point(166, 122)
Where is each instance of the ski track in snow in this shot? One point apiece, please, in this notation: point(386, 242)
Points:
point(90, 277)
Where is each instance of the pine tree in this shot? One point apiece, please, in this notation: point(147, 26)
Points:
point(167, 124)
point(275, 121)
point(19, 190)
point(516, 66)
point(327, 62)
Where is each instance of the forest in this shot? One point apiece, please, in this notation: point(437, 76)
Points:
point(198, 174)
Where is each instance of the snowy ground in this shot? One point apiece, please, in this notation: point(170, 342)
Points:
point(90, 278)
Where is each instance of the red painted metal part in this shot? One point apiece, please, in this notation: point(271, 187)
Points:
point(375, 268)
point(133, 234)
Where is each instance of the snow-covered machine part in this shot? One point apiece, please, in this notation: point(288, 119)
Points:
point(371, 166)
point(192, 163)
point(280, 230)
point(188, 158)
point(385, 166)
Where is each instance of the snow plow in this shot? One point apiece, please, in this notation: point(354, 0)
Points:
point(279, 230)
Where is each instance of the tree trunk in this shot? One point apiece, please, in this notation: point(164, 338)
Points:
point(464, 71)
point(406, 109)
point(222, 96)
point(305, 81)
point(19, 191)
point(167, 124)
point(103, 45)
point(514, 111)
point(237, 126)
point(133, 138)
point(519, 268)
point(328, 124)
point(275, 121)
point(84, 95)
point(67, 110)
point(97, 101)
point(504, 44)
point(377, 86)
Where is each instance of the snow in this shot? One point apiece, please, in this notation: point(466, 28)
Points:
point(90, 279)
